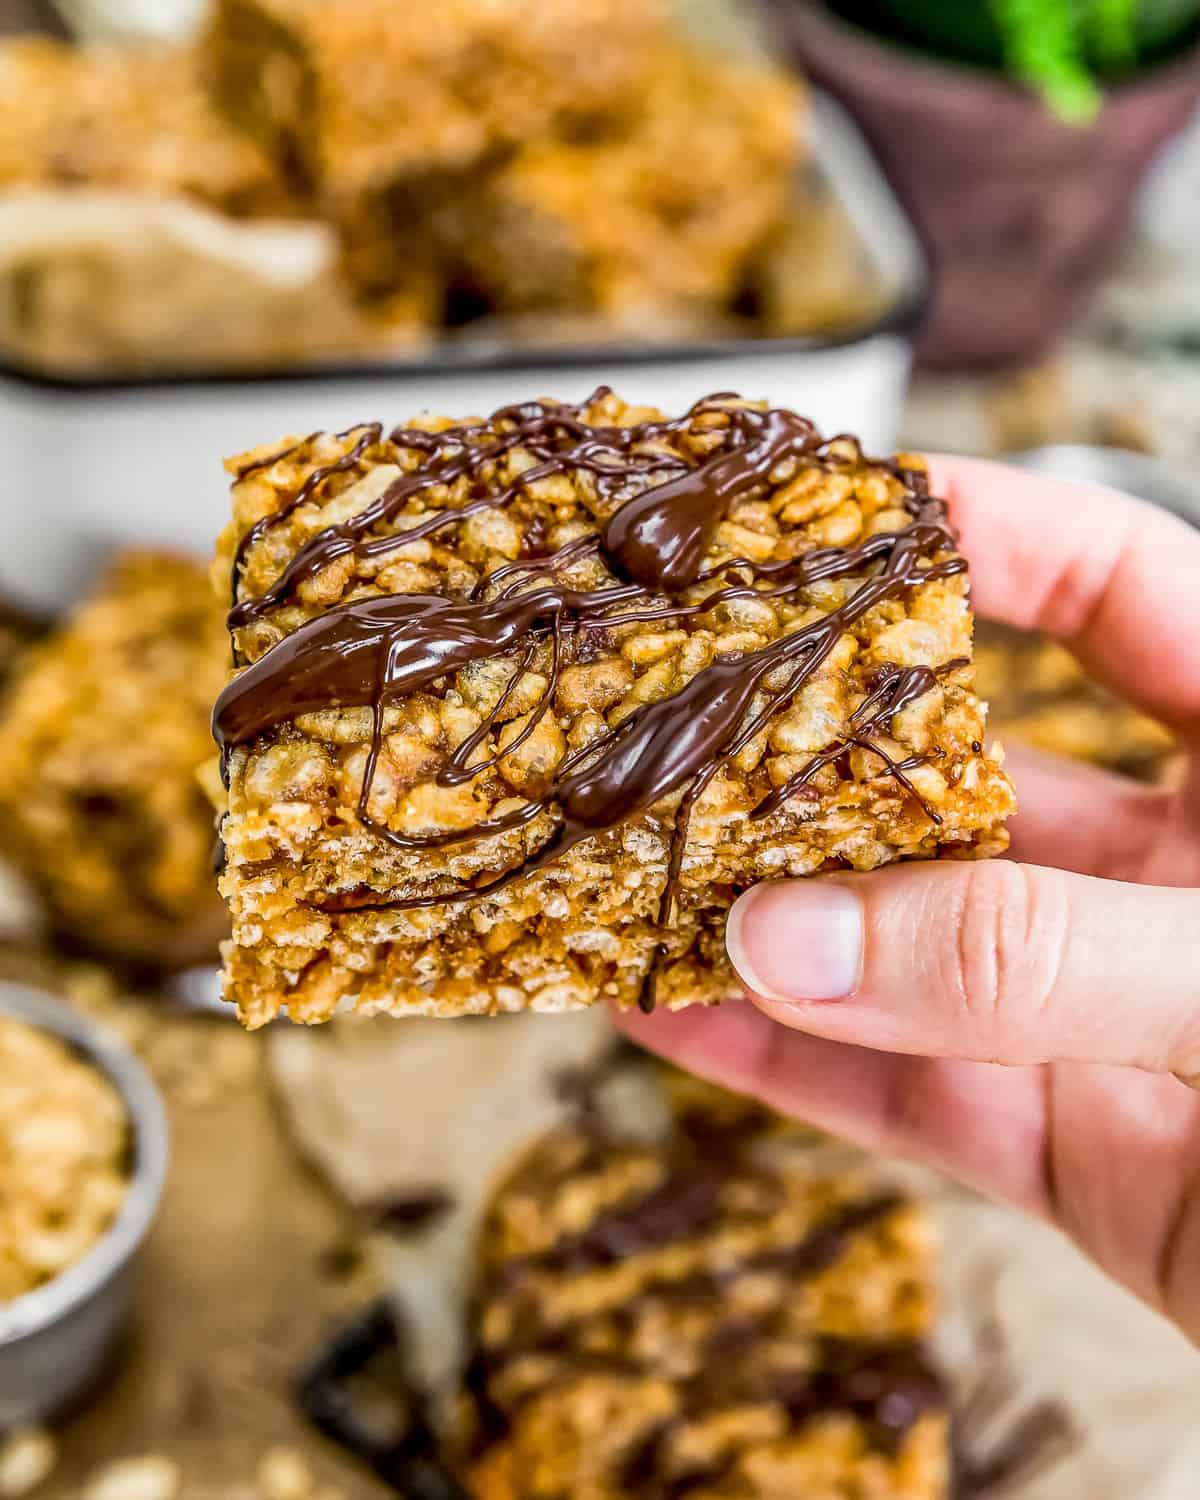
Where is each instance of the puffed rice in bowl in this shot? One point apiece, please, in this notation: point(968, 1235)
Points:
point(83, 1153)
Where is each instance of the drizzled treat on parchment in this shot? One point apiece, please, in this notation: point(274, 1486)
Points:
point(520, 705)
point(666, 1293)
point(103, 734)
point(729, 1316)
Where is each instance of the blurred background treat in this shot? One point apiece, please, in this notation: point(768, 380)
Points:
point(135, 118)
point(658, 217)
point(767, 1320)
point(104, 729)
point(1039, 695)
point(547, 161)
point(225, 219)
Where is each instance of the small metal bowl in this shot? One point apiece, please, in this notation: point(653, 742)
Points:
point(54, 1341)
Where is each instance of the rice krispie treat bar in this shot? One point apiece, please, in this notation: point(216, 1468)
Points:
point(355, 96)
point(522, 704)
point(1039, 694)
point(729, 1316)
point(126, 117)
point(64, 1147)
point(660, 211)
point(103, 732)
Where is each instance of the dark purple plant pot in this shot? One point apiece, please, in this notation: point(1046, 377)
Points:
point(28, 15)
point(1022, 214)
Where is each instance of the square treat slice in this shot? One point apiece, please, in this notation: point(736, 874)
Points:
point(737, 1313)
point(103, 735)
point(658, 214)
point(352, 96)
point(523, 704)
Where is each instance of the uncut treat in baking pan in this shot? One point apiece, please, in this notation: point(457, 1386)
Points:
point(725, 1316)
point(137, 118)
point(522, 704)
point(103, 733)
point(390, 116)
point(355, 96)
point(660, 208)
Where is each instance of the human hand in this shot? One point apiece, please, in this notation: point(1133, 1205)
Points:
point(1017, 1023)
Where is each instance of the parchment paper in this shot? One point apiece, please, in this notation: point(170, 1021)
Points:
point(96, 279)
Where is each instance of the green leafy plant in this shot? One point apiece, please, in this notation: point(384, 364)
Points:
point(1044, 44)
point(1060, 47)
point(1068, 50)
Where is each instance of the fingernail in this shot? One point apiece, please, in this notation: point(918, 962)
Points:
point(798, 940)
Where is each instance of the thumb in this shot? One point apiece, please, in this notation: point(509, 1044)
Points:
point(996, 962)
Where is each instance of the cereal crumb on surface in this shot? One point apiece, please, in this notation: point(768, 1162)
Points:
point(27, 1459)
point(151, 1477)
point(284, 1474)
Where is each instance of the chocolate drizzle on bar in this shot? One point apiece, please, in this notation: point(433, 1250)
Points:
point(659, 539)
point(375, 652)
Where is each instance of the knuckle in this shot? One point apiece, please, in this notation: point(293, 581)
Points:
point(1012, 933)
point(1183, 1051)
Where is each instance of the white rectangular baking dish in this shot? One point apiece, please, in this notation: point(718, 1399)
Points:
point(91, 465)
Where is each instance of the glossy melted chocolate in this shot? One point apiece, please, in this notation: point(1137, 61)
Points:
point(375, 652)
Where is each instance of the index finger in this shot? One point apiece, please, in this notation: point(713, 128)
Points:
point(1114, 578)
